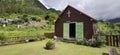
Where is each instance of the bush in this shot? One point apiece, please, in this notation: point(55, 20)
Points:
point(35, 19)
point(94, 42)
point(100, 41)
point(49, 43)
point(2, 36)
point(47, 17)
point(25, 18)
point(82, 42)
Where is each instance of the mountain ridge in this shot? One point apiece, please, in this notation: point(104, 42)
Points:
point(34, 7)
point(115, 20)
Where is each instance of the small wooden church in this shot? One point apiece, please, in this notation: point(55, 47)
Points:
point(73, 23)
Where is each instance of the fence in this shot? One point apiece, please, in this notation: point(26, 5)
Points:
point(49, 35)
point(113, 40)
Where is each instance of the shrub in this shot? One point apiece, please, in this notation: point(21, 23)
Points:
point(35, 19)
point(49, 43)
point(94, 42)
point(82, 42)
point(25, 18)
point(2, 36)
point(47, 17)
point(100, 41)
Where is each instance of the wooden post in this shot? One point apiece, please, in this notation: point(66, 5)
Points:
point(110, 40)
point(107, 39)
point(113, 40)
point(117, 41)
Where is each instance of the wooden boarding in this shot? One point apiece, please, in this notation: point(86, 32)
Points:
point(49, 35)
point(113, 40)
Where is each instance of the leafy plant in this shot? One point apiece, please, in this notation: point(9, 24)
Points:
point(82, 42)
point(94, 42)
point(2, 36)
point(49, 43)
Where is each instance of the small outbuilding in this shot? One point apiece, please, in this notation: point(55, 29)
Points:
point(73, 23)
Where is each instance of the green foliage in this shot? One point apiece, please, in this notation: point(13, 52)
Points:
point(18, 21)
point(8, 28)
point(21, 7)
point(13, 31)
point(82, 42)
point(49, 27)
point(109, 28)
point(33, 7)
point(2, 36)
point(25, 18)
point(51, 17)
point(36, 19)
point(94, 42)
point(47, 17)
point(50, 42)
point(11, 28)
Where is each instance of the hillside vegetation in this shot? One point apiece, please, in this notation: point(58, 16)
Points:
point(109, 28)
point(20, 18)
point(8, 7)
point(34, 7)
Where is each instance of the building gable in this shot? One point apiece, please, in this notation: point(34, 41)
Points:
point(74, 23)
point(70, 13)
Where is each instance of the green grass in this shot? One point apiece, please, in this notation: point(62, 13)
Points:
point(23, 33)
point(13, 31)
point(36, 48)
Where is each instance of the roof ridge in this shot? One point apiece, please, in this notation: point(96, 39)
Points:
point(81, 12)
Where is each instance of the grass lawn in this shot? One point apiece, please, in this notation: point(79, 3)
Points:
point(36, 48)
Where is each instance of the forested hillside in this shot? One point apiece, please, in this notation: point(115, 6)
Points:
point(34, 7)
point(109, 28)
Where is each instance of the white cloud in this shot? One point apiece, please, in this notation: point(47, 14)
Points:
point(99, 9)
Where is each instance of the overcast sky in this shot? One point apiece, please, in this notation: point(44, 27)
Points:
point(98, 9)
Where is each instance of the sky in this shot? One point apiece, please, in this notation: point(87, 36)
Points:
point(98, 9)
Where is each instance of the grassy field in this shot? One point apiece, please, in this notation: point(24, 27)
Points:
point(13, 31)
point(23, 33)
point(37, 48)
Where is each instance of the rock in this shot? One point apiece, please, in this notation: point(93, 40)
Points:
point(113, 51)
